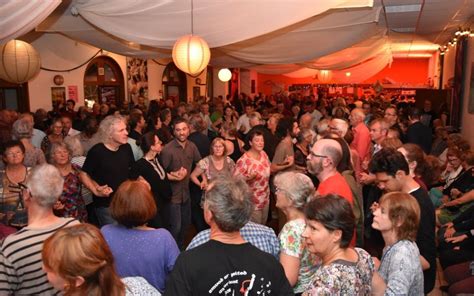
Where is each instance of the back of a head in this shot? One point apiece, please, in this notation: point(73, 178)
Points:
point(334, 213)
point(298, 187)
point(81, 251)
point(22, 129)
point(229, 200)
point(284, 127)
point(341, 126)
point(332, 149)
point(197, 122)
point(45, 184)
point(414, 113)
point(133, 204)
point(389, 161)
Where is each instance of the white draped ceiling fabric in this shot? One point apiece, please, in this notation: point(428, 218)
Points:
point(311, 35)
point(18, 17)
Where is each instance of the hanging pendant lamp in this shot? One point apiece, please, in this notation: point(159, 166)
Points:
point(19, 61)
point(224, 75)
point(191, 53)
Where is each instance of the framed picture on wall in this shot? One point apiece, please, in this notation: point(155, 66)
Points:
point(58, 97)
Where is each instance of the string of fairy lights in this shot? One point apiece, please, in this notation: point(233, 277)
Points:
point(460, 33)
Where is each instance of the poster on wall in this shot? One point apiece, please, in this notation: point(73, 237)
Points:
point(58, 97)
point(72, 92)
point(137, 80)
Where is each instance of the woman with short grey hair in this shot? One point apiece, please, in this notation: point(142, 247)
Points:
point(293, 190)
point(22, 130)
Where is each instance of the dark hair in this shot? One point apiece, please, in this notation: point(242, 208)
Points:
point(179, 120)
point(89, 127)
point(133, 204)
point(253, 134)
point(164, 113)
point(11, 144)
point(389, 161)
point(414, 113)
point(134, 119)
point(334, 213)
point(284, 127)
point(148, 140)
point(423, 169)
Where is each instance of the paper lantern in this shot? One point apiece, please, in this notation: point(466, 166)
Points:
point(19, 61)
point(191, 54)
point(224, 75)
point(324, 76)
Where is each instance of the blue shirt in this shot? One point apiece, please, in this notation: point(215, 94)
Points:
point(260, 236)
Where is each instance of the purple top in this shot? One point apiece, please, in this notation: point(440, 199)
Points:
point(147, 253)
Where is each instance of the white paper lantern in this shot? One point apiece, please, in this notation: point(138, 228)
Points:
point(191, 54)
point(19, 61)
point(224, 75)
point(324, 76)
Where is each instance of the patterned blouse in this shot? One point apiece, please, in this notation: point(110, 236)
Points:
point(71, 197)
point(12, 207)
point(344, 278)
point(207, 166)
point(292, 244)
point(247, 166)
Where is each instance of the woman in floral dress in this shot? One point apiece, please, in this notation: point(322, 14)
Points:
point(70, 203)
point(329, 229)
point(254, 167)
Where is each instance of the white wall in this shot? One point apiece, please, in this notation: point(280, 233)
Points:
point(220, 88)
point(60, 52)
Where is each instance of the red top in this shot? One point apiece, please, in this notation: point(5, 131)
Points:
point(336, 184)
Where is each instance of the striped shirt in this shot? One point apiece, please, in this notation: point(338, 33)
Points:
point(21, 271)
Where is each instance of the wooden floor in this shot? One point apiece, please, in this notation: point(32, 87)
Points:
point(439, 282)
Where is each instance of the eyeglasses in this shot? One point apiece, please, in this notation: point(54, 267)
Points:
point(317, 155)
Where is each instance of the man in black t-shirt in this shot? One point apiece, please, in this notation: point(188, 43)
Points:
point(392, 173)
point(227, 264)
point(107, 165)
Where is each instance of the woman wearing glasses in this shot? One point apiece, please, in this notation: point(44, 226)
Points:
point(12, 208)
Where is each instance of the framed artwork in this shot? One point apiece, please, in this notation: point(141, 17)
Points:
point(137, 80)
point(58, 97)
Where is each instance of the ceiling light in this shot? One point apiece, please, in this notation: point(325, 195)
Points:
point(403, 8)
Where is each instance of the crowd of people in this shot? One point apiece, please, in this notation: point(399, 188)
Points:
point(286, 195)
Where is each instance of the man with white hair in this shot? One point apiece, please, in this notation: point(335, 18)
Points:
point(361, 142)
point(107, 165)
point(21, 271)
point(227, 262)
point(339, 127)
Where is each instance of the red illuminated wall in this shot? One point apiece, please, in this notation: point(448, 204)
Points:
point(403, 71)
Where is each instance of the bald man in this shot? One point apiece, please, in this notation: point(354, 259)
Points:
point(361, 142)
point(322, 162)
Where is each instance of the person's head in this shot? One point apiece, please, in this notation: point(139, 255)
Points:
point(150, 141)
point(67, 123)
point(399, 213)
point(272, 122)
point(227, 204)
point(56, 127)
point(90, 126)
point(74, 146)
point(325, 155)
point(196, 123)
point(70, 104)
point(104, 109)
point(391, 115)
point(304, 137)
point(339, 126)
point(322, 127)
point(113, 129)
point(414, 114)
point(378, 130)
point(391, 143)
point(330, 224)
point(286, 127)
point(204, 108)
point(292, 190)
point(357, 116)
point(390, 168)
point(78, 261)
point(306, 120)
point(59, 153)
point(427, 106)
point(136, 120)
point(229, 110)
point(417, 164)
point(44, 186)
point(13, 152)
point(256, 140)
point(165, 116)
point(366, 107)
point(454, 158)
point(248, 109)
point(255, 119)
point(22, 129)
point(181, 129)
point(133, 204)
point(218, 147)
point(345, 163)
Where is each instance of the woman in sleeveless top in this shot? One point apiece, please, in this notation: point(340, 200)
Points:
point(217, 163)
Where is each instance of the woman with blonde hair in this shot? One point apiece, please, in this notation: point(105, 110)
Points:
point(78, 261)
